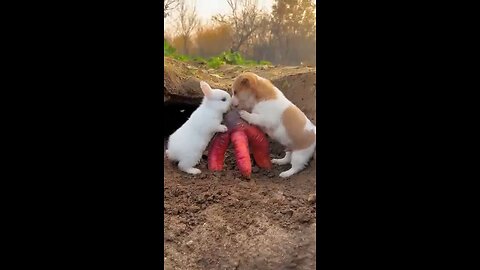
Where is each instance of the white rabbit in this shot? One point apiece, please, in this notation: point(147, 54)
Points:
point(186, 144)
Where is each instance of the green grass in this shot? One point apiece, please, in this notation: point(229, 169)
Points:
point(215, 61)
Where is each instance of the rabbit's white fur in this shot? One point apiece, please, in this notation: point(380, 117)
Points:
point(186, 144)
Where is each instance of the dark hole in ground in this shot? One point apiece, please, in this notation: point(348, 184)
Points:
point(175, 114)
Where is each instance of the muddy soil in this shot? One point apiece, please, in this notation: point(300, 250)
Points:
point(223, 221)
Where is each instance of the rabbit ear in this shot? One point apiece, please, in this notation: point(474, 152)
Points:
point(207, 91)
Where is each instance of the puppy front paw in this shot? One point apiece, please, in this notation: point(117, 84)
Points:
point(245, 115)
point(222, 128)
point(285, 174)
point(279, 161)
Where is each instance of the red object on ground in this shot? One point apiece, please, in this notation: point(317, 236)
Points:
point(242, 135)
point(242, 154)
point(260, 147)
point(216, 154)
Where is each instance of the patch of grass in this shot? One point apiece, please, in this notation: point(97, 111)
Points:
point(180, 57)
point(168, 50)
point(231, 58)
point(215, 62)
point(235, 58)
point(199, 60)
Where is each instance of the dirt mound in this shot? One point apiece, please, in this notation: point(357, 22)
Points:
point(182, 82)
point(301, 89)
point(222, 221)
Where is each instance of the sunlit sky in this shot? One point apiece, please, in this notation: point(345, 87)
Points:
point(207, 8)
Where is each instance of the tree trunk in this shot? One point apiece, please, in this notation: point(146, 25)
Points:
point(287, 50)
point(235, 47)
point(185, 44)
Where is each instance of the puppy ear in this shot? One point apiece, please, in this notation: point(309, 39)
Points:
point(248, 79)
point(207, 91)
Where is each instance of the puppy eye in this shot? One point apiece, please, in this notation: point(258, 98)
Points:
point(224, 99)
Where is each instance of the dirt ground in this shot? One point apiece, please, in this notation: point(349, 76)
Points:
point(223, 221)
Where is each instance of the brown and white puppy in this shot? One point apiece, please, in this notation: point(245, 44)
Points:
point(264, 105)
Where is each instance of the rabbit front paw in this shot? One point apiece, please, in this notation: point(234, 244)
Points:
point(222, 128)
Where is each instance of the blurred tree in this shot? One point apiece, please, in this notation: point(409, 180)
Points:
point(260, 45)
point(244, 20)
point(187, 21)
point(213, 40)
point(178, 42)
point(169, 5)
point(287, 36)
point(293, 29)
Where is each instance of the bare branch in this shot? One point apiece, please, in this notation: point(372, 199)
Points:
point(244, 20)
point(187, 22)
point(169, 5)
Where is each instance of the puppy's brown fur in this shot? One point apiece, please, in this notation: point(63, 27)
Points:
point(261, 88)
point(294, 121)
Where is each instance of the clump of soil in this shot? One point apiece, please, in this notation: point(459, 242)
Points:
point(219, 220)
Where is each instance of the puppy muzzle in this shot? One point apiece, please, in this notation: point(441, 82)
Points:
point(235, 101)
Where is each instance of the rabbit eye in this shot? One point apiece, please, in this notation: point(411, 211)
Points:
point(224, 99)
